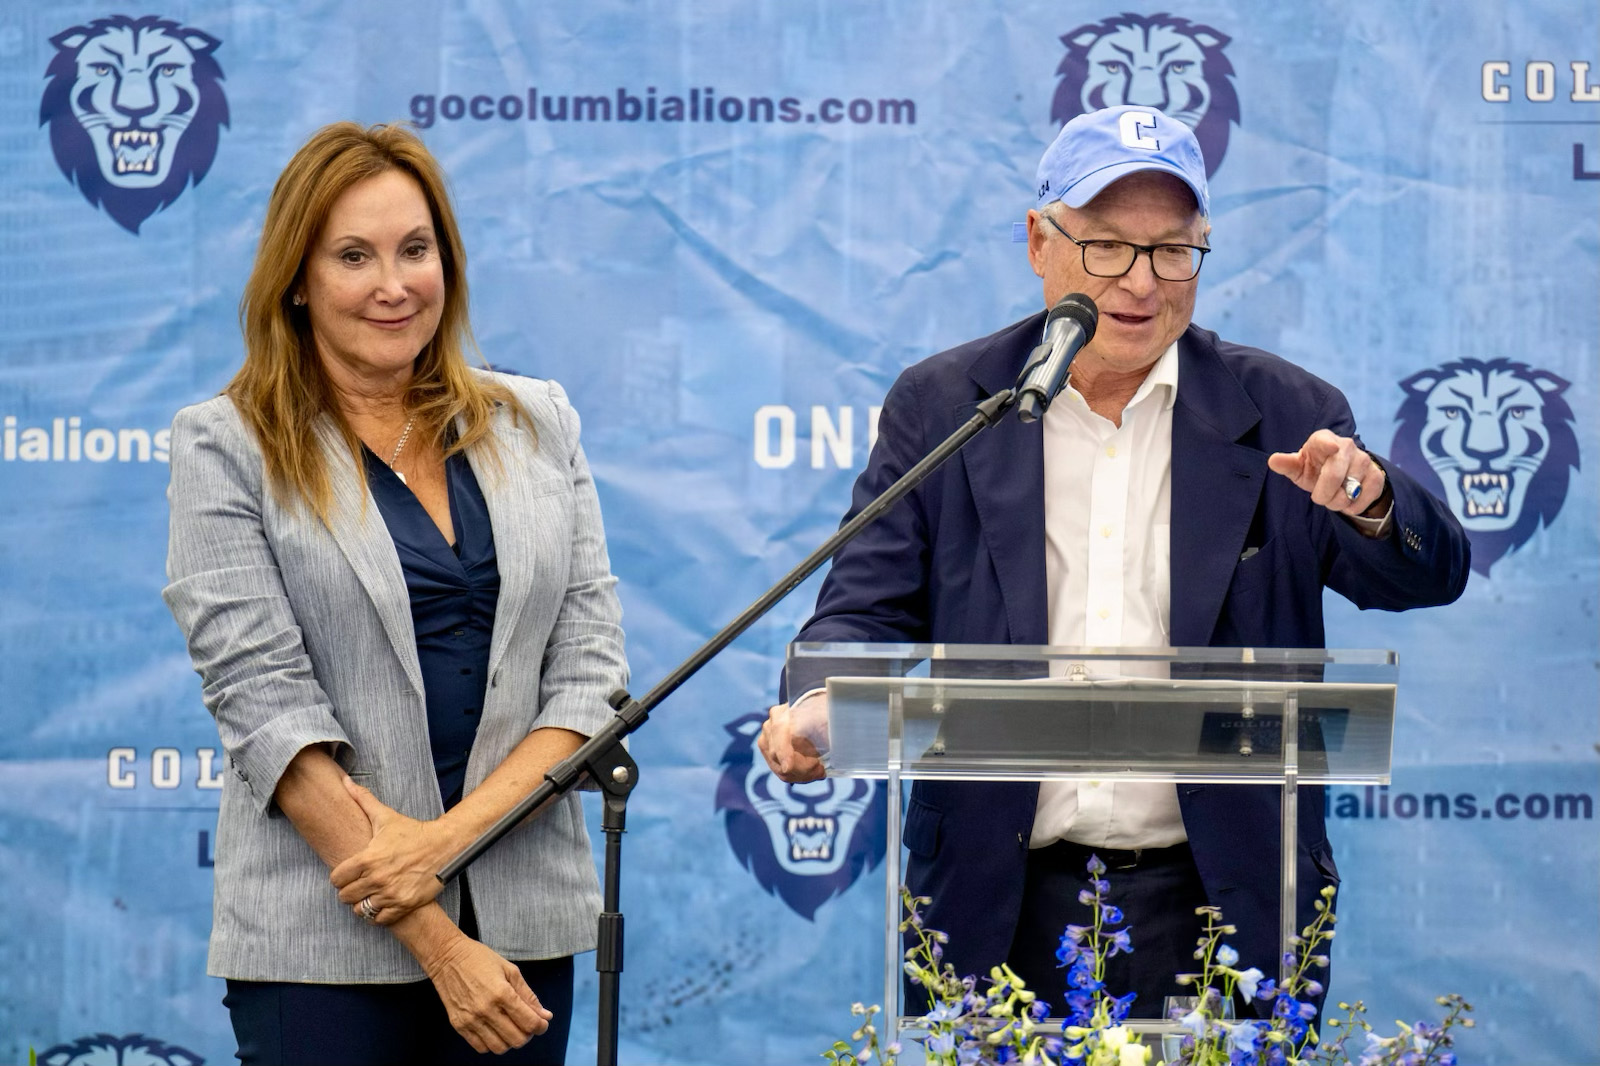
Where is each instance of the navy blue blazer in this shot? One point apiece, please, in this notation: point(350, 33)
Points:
point(962, 560)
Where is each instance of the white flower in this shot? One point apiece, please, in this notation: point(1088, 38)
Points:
point(1249, 981)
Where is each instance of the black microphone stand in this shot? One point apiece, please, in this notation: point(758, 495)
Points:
point(603, 759)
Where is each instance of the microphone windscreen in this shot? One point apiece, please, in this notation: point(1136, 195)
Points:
point(1079, 308)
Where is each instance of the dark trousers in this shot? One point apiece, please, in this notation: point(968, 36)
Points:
point(1157, 891)
point(280, 1023)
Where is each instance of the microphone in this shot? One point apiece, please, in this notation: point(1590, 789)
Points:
point(1069, 326)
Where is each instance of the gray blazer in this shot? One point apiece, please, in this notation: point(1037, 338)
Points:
point(302, 635)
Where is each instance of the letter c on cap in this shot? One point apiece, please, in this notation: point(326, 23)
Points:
point(1131, 123)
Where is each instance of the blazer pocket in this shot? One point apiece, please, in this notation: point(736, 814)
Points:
point(549, 486)
point(1322, 858)
point(1257, 570)
point(921, 836)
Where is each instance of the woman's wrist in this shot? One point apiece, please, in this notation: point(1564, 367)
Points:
point(427, 933)
point(453, 833)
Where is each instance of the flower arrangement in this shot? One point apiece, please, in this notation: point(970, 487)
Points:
point(1003, 1024)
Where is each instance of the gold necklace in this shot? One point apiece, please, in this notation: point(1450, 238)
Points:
point(405, 435)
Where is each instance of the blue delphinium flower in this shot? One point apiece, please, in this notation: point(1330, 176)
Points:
point(1096, 867)
point(1109, 914)
point(1244, 1040)
point(1120, 1006)
point(1227, 956)
point(1289, 1009)
point(1079, 1006)
point(1071, 945)
point(1081, 975)
point(1121, 941)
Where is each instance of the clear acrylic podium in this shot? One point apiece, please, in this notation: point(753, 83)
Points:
point(977, 712)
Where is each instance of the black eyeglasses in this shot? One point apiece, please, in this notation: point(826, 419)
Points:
point(1112, 259)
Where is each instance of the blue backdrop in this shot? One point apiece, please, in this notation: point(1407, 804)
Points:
point(724, 227)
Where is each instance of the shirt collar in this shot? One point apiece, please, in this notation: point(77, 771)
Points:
point(1163, 375)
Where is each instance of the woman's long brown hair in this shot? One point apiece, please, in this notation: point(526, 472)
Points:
point(282, 390)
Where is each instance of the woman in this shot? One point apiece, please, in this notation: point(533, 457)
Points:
point(392, 576)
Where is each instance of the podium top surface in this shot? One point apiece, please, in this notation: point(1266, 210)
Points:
point(1015, 713)
point(1351, 658)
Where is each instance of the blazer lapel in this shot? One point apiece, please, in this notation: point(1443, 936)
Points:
point(511, 507)
point(1216, 485)
point(1005, 469)
point(358, 528)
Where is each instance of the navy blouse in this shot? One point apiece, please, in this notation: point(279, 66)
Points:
point(453, 590)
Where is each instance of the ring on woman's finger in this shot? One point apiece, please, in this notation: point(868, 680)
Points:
point(367, 911)
point(1352, 487)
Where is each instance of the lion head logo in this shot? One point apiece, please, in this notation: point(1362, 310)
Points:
point(804, 843)
point(1495, 440)
point(1158, 61)
point(103, 1049)
point(134, 108)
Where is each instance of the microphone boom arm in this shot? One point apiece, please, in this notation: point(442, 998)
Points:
point(604, 760)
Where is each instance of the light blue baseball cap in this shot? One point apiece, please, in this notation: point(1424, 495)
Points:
point(1097, 148)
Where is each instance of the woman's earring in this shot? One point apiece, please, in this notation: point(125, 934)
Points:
point(298, 300)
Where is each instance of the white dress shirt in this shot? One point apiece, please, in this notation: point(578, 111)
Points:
point(1107, 516)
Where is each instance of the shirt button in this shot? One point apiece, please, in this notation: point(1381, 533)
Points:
point(460, 633)
point(1105, 612)
point(1111, 451)
point(1105, 531)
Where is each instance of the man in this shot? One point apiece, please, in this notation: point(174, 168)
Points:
point(1181, 491)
